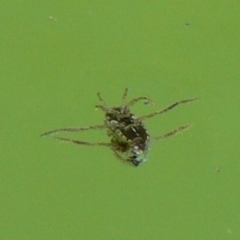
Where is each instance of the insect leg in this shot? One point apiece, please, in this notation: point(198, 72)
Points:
point(73, 129)
point(166, 109)
point(121, 158)
point(104, 108)
point(101, 100)
point(146, 101)
point(124, 97)
point(174, 132)
point(118, 155)
point(83, 143)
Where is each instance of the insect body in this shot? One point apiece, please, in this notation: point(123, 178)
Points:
point(129, 138)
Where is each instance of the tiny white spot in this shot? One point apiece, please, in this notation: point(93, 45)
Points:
point(52, 18)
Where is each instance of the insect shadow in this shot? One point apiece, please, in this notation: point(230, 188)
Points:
point(130, 140)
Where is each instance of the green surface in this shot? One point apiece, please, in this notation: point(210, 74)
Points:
point(55, 56)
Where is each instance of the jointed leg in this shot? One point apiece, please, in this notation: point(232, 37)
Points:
point(102, 107)
point(101, 100)
point(118, 155)
point(74, 129)
point(106, 109)
point(146, 101)
point(124, 96)
point(174, 132)
point(166, 109)
point(83, 143)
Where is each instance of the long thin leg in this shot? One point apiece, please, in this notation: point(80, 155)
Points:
point(102, 107)
point(83, 143)
point(101, 100)
point(146, 101)
point(174, 132)
point(124, 97)
point(74, 129)
point(166, 109)
point(118, 155)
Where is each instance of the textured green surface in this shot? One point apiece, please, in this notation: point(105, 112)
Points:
point(55, 56)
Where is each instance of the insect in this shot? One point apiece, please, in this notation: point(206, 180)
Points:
point(130, 140)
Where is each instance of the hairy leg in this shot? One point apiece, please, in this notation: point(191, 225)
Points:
point(73, 129)
point(166, 109)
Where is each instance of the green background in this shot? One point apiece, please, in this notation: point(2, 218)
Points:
point(56, 55)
